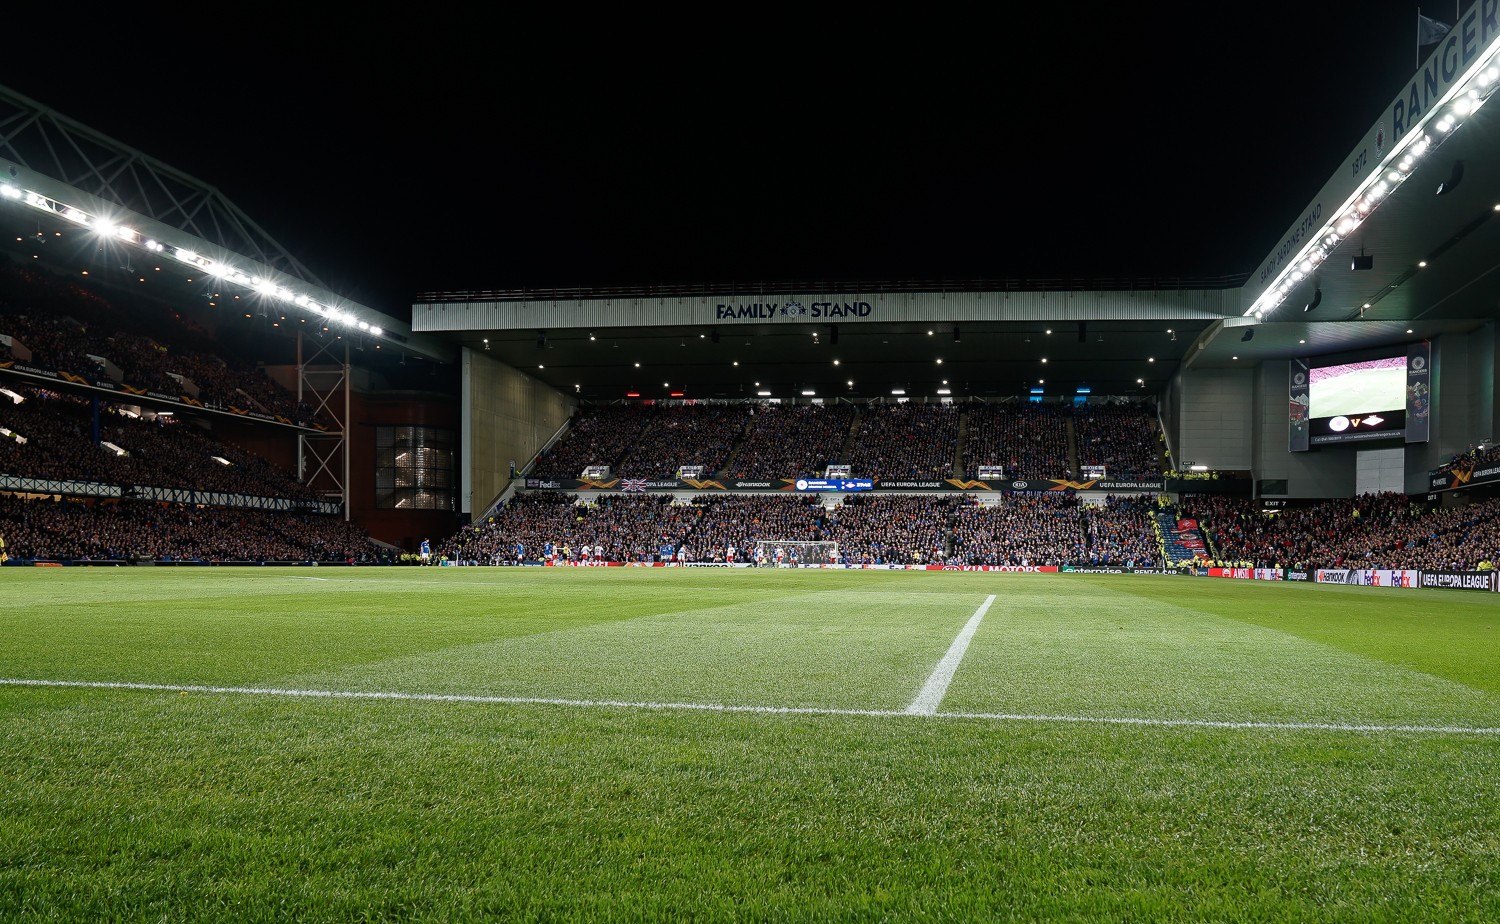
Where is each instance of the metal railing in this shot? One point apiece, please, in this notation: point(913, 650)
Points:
point(827, 287)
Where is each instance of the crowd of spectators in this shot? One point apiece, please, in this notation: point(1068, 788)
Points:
point(738, 522)
point(597, 436)
point(791, 441)
point(1124, 438)
point(613, 528)
point(1370, 531)
point(1023, 529)
point(1119, 533)
point(1027, 440)
point(896, 442)
point(166, 452)
point(1470, 459)
point(892, 530)
point(889, 442)
point(141, 530)
point(64, 325)
point(686, 435)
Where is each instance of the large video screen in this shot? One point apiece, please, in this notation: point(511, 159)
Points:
point(1358, 389)
point(1357, 401)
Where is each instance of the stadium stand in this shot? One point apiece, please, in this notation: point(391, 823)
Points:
point(688, 435)
point(1124, 438)
point(725, 523)
point(1023, 530)
point(1181, 539)
point(791, 441)
point(1026, 529)
point(1029, 440)
point(1119, 533)
point(1470, 459)
point(627, 528)
point(905, 441)
point(85, 531)
point(1369, 531)
point(164, 452)
point(892, 530)
point(66, 327)
point(596, 436)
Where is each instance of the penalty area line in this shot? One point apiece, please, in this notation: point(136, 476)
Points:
point(936, 687)
point(619, 704)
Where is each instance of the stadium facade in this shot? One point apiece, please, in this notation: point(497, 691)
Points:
point(1395, 249)
point(1393, 257)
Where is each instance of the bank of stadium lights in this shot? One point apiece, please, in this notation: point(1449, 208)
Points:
point(1468, 94)
point(108, 228)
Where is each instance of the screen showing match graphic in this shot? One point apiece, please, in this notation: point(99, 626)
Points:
point(1357, 389)
point(1368, 400)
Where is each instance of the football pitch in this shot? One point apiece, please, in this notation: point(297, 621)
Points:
point(367, 744)
point(1360, 391)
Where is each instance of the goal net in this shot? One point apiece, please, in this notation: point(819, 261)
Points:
point(771, 553)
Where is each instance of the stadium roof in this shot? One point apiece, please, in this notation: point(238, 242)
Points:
point(57, 175)
point(988, 359)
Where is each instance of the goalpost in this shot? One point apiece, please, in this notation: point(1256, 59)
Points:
point(794, 553)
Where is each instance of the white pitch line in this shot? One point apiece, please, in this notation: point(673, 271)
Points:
point(730, 708)
point(936, 687)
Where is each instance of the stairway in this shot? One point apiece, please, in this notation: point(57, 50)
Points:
point(1177, 546)
point(958, 446)
point(847, 452)
point(727, 465)
point(1073, 451)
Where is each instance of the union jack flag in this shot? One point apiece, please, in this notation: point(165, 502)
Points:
point(632, 484)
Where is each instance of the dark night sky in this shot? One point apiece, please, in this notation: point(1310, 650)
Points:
point(408, 153)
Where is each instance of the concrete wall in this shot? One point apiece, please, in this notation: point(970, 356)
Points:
point(1210, 415)
point(1463, 401)
point(507, 415)
point(1379, 470)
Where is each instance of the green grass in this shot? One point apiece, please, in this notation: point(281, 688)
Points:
point(1360, 392)
point(120, 804)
